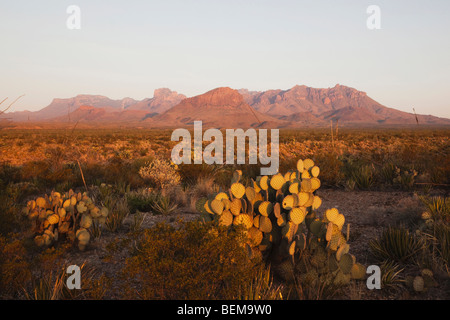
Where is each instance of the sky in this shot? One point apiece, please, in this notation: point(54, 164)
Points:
point(130, 48)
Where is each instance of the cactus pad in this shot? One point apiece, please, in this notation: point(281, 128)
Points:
point(265, 208)
point(277, 181)
point(238, 190)
point(297, 215)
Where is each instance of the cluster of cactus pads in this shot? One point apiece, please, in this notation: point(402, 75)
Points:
point(70, 215)
point(279, 216)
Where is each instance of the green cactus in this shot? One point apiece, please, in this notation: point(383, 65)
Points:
point(200, 205)
point(226, 218)
point(238, 190)
point(346, 263)
point(64, 216)
point(319, 258)
point(358, 271)
point(279, 214)
point(297, 215)
point(418, 284)
point(217, 206)
point(265, 208)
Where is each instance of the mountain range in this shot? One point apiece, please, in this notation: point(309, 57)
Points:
point(224, 107)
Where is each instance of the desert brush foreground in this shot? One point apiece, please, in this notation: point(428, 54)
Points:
point(141, 227)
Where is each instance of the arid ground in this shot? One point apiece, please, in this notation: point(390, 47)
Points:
point(378, 179)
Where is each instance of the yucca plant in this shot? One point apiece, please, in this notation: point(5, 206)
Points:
point(96, 229)
point(438, 207)
point(442, 234)
point(395, 244)
point(138, 220)
point(47, 287)
point(391, 275)
point(118, 212)
point(363, 176)
point(164, 205)
point(387, 172)
point(261, 287)
point(438, 240)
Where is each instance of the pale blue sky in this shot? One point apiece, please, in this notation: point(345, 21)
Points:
point(129, 48)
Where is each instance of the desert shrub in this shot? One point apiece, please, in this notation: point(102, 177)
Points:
point(148, 200)
point(118, 209)
point(396, 244)
point(141, 200)
point(14, 268)
point(10, 197)
point(439, 168)
point(114, 199)
point(333, 175)
point(204, 186)
point(191, 174)
point(436, 235)
point(286, 163)
point(160, 173)
point(138, 220)
point(137, 163)
point(95, 288)
point(442, 238)
point(196, 261)
point(9, 174)
point(46, 174)
point(113, 171)
point(405, 178)
point(180, 195)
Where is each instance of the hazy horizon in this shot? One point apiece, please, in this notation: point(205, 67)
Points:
point(129, 49)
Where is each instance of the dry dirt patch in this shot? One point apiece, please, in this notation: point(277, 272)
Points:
point(369, 212)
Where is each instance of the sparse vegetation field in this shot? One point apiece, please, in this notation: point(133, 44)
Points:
point(140, 231)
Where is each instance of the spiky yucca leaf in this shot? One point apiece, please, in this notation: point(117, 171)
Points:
point(395, 244)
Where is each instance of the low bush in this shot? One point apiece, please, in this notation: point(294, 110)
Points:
point(196, 261)
point(160, 173)
point(15, 270)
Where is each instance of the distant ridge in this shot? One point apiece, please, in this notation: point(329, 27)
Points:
point(220, 108)
point(163, 99)
point(340, 103)
point(225, 107)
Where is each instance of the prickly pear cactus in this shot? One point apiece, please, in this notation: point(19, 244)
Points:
point(423, 282)
point(69, 216)
point(278, 214)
